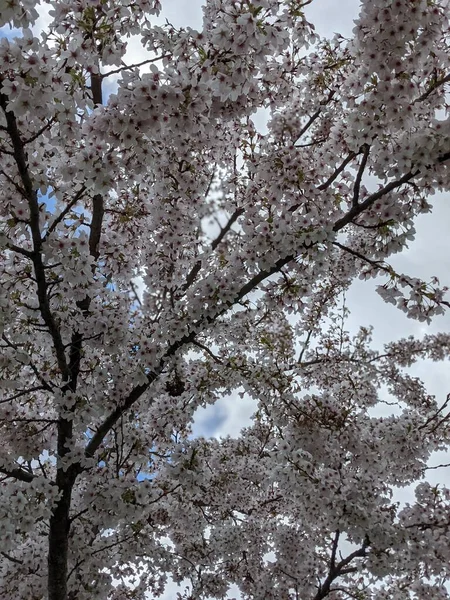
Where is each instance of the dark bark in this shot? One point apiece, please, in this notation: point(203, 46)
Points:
point(96, 88)
point(340, 568)
point(58, 548)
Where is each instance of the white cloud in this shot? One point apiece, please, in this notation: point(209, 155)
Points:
point(226, 417)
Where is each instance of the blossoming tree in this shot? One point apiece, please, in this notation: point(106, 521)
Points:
point(104, 491)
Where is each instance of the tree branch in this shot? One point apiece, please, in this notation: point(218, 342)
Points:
point(234, 217)
point(135, 66)
point(224, 230)
point(208, 351)
point(432, 88)
point(357, 210)
point(337, 172)
point(19, 250)
point(39, 132)
point(19, 474)
point(64, 212)
point(98, 212)
point(314, 116)
point(339, 569)
point(334, 548)
point(31, 196)
point(359, 175)
point(23, 392)
point(375, 263)
point(12, 558)
point(137, 391)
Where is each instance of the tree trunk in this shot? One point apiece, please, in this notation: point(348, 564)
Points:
point(59, 544)
point(58, 537)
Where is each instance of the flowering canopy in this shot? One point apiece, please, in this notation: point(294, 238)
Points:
point(104, 491)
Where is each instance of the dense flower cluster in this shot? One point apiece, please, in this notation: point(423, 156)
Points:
point(244, 244)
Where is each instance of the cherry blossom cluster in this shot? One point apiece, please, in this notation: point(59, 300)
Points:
point(161, 255)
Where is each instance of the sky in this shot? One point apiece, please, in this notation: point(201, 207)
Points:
point(428, 254)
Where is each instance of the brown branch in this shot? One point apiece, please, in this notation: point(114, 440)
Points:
point(375, 263)
point(23, 392)
point(59, 526)
point(28, 420)
point(248, 287)
point(113, 544)
point(39, 132)
point(377, 226)
point(98, 209)
point(4, 151)
point(137, 391)
point(19, 474)
point(133, 288)
point(13, 183)
point(384, 267)
point(234, 217)
point(64, 212)
point(256, 280)
point(359, 175)
point(96, 88)
point(437, 416)
point(12, 558)
point(339, 569)
point(59, 523)
point(98, 212)
point(314, 116)
point(308, 124)
point(334, 549)
point(437, 467)
point(114, 416)
point(337, 172)
point(45, 384)
point(208, 351)
point(357, 210)
point(19, 250)
point(224, 230)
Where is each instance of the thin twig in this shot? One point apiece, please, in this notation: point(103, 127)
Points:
point(208, 351)
point(135, 66)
